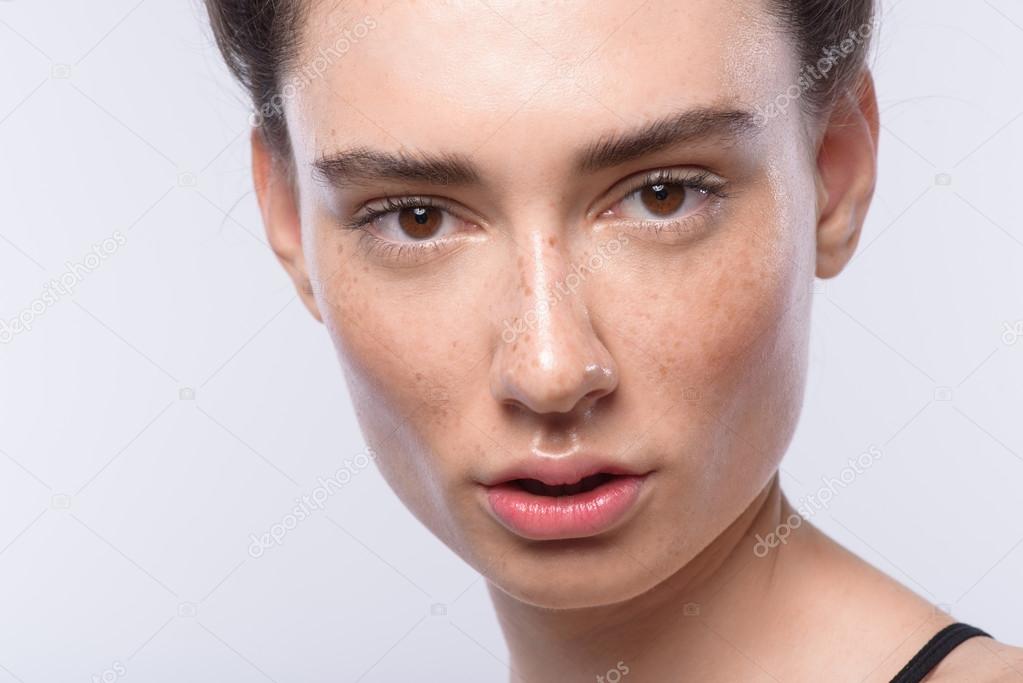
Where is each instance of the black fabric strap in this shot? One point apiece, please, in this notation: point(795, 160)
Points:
point(943, 642)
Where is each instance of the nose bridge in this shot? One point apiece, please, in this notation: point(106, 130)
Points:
point(549, 357)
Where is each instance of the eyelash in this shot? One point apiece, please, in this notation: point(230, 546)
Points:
point(701, 181)
point(392, 205)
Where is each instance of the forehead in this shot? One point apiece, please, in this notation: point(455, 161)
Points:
point(463, 74)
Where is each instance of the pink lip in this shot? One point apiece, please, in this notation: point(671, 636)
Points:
point(579, 515)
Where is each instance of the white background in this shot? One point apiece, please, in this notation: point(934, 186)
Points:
point(126, 512)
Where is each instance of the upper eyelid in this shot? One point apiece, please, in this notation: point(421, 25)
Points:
point(673, 175)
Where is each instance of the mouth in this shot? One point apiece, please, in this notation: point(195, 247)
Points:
point(538, 488)
point(542, 509)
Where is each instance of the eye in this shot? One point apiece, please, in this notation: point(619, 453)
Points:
point(662, 201)
point(409, 220)
point(408, 231)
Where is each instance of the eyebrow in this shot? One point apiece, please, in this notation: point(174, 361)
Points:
point(364, 165)
point(614, 149)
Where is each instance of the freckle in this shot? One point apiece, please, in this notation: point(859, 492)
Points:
point(525, 337)
point(529, 291)
point(552, 240)
point(419, 376)
point(664, 371)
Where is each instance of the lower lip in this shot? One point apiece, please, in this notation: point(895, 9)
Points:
point(546, 518)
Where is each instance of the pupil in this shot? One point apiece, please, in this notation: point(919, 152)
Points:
point(660, 192)
point(420, 215)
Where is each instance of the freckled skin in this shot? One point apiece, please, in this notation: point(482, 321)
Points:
point(700, 337)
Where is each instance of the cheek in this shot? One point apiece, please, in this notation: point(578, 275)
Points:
point(739, 331)
point(715, 339)
point(733, 331)
point(409, 357)
point(709, 322)
point(396, 346)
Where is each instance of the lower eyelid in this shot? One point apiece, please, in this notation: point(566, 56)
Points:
point(677, 225)
point(403, 253)
point(693, 223)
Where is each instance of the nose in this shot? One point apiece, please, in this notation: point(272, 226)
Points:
point(549, 358)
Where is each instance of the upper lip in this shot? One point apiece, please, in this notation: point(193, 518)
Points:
point(560, 471)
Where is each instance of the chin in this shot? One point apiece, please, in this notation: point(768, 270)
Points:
point(582, 573)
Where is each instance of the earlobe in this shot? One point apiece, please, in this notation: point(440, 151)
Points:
point(846, 176)
point(281, 219)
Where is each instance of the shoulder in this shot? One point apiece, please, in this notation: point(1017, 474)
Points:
point(980, 660)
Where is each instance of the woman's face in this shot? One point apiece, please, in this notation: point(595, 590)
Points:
point(599, 263)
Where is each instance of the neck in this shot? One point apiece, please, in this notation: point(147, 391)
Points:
point(666, 627)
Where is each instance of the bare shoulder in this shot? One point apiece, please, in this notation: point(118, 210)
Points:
point(981, 660)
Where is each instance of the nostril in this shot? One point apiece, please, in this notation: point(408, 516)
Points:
point(595, 396)
point(553, 390)
point(602, 380)
point(560, 369)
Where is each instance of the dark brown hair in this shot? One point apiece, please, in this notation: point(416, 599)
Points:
point(259, 40)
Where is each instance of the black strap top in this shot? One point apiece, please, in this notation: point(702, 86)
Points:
point(943, 642)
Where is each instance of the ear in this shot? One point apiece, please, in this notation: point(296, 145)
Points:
point(846, 176)
point(277, 204)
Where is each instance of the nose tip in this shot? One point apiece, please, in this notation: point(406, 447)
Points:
point(559, 368)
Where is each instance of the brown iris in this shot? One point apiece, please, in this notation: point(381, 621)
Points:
point(420, 222)
point(663, 200)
